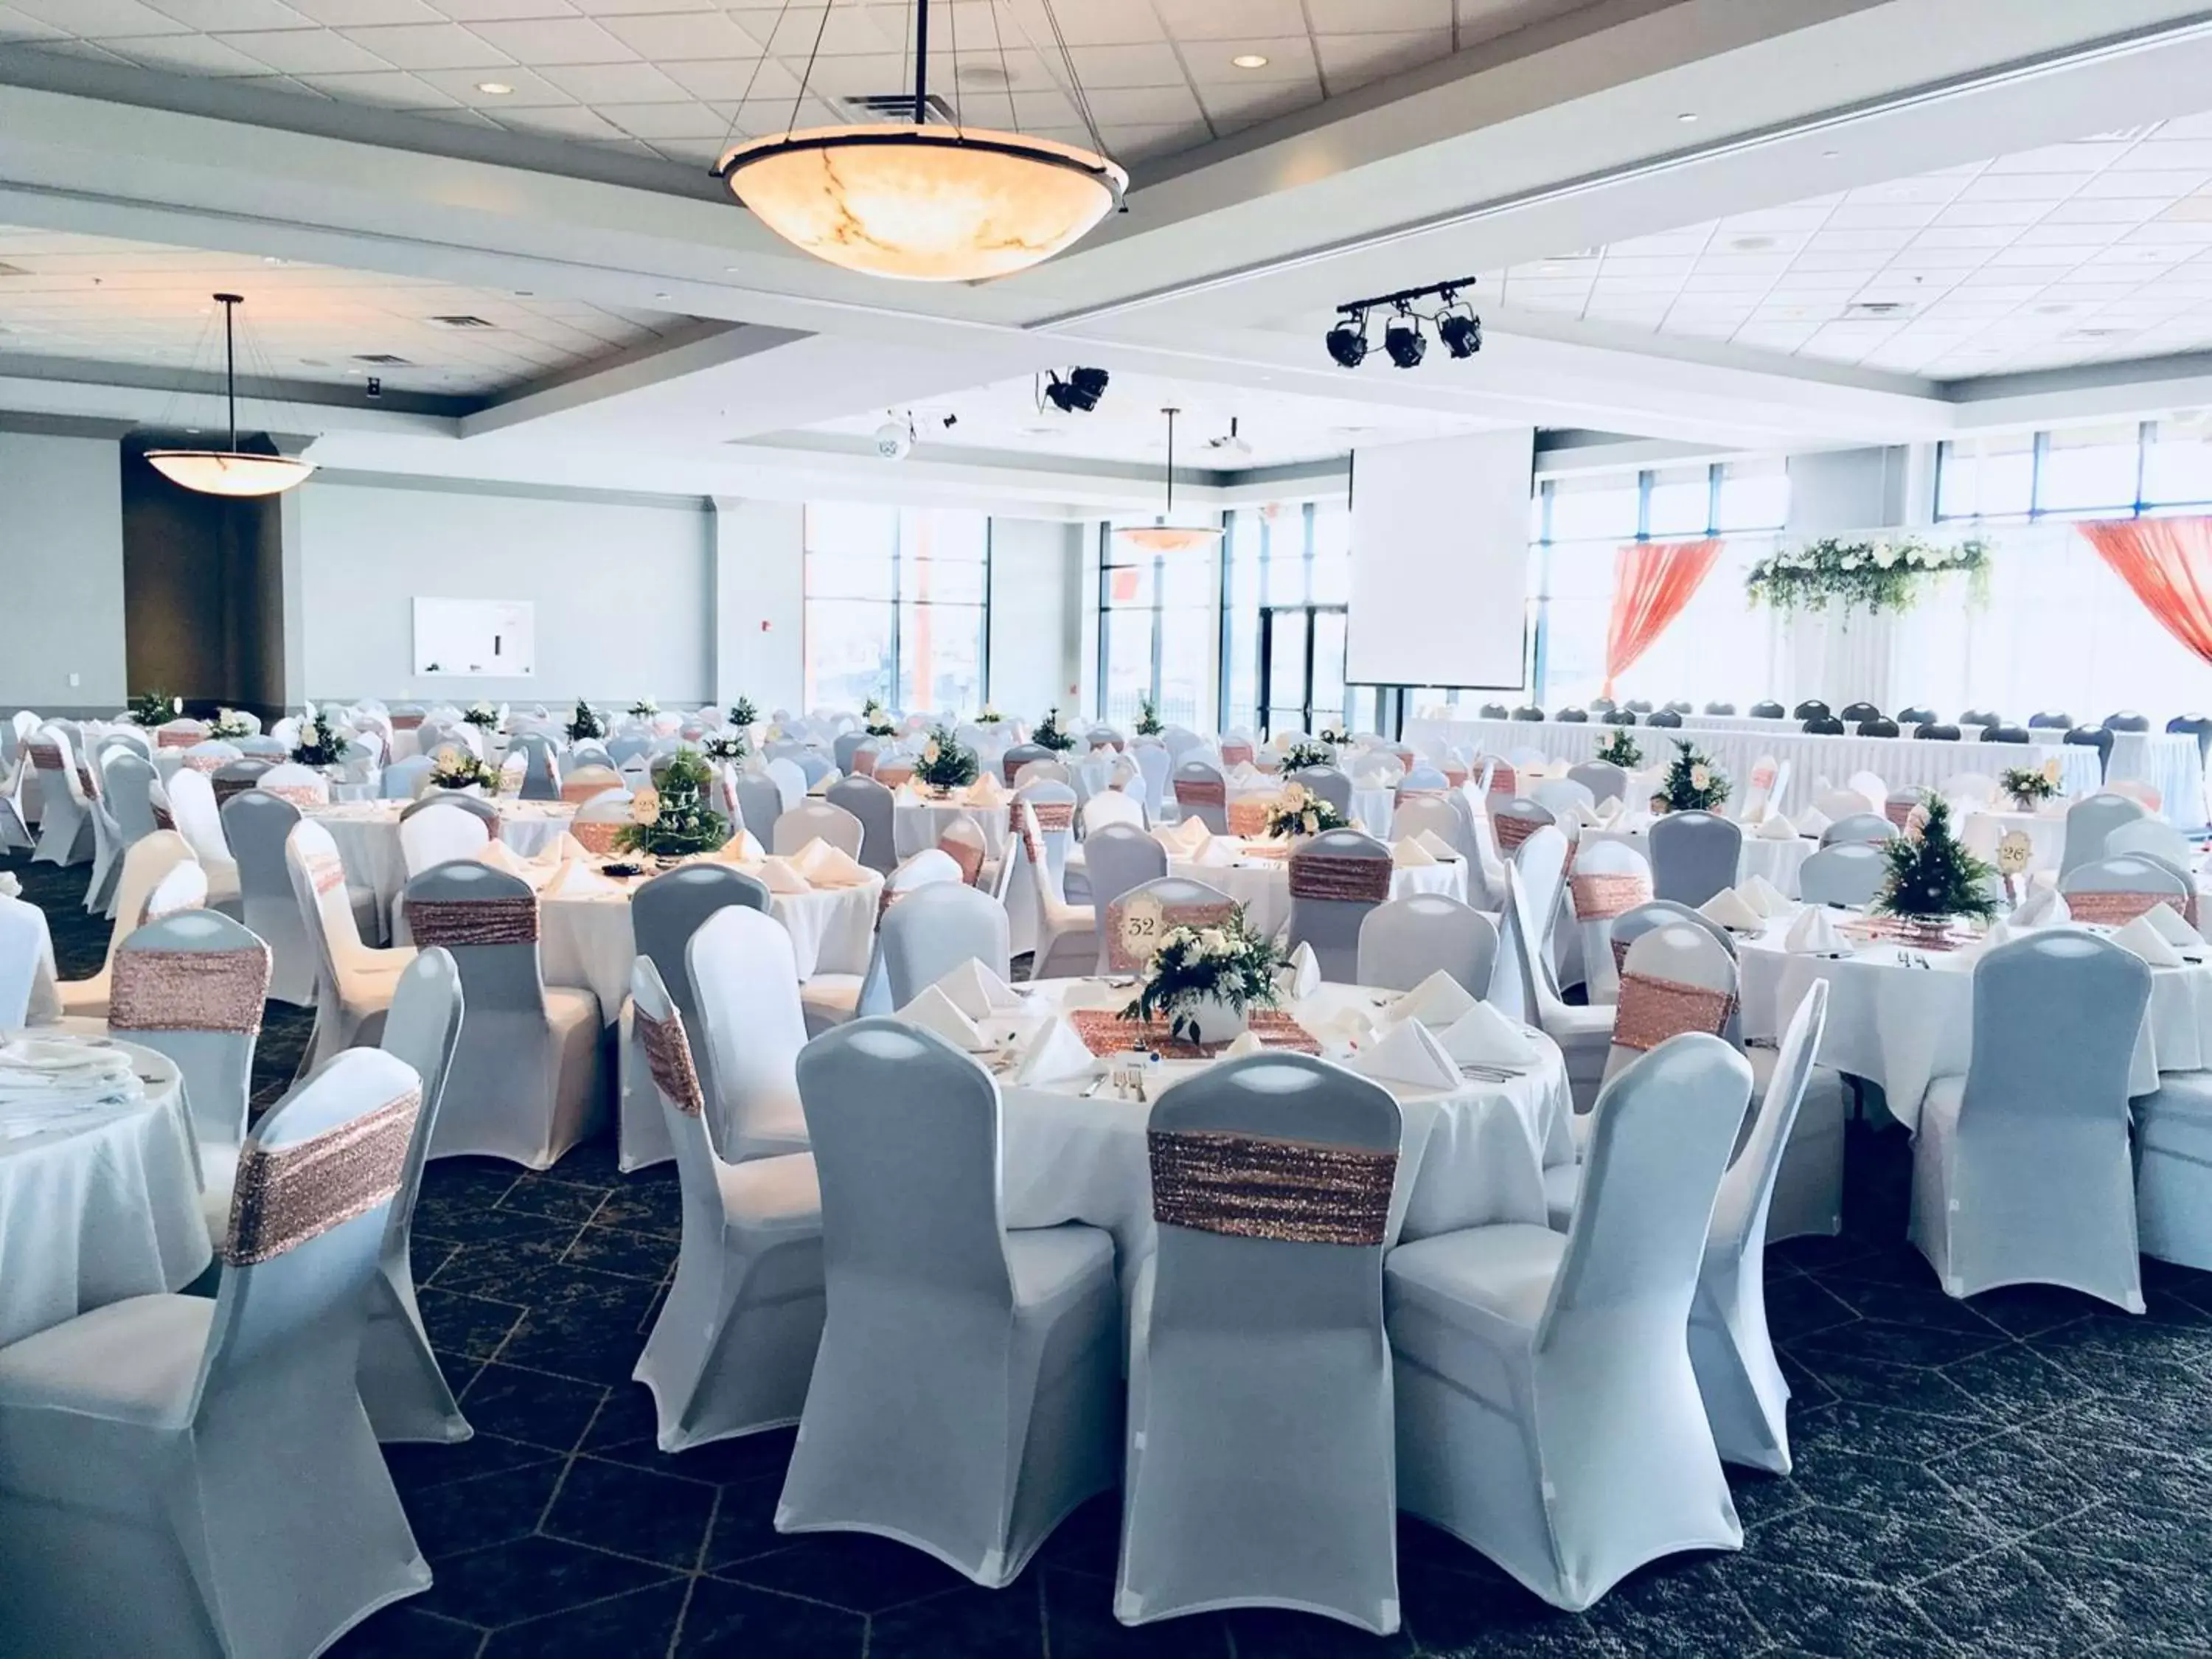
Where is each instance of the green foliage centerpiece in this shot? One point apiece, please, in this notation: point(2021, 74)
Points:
point(1148, 717)
point(1299, 812)
point(484, 716)
point(644, 709)
point(744, 714)
point(1932, 879)
point(454, 767)
point(1620, 750)
point(228, 726)
point(990, 716)
point(587, 723)
point(1886, 573)
point(155, 708)
point(1302, 752)
point(320, 744)
point(875, 720)
point(947, 764)
point(730, 746)
point(1693, 783)
point(1204, 981)
point(2030, 786)
point(673, 821)
point(1048, 735)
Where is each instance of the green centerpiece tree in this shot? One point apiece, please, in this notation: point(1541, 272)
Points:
point(644, 709)
point(1048, 735)
point(1621, 749)
point(1693, 783)
point(1204, 981)
point(947, 764)
point(744, 714)
point(989, 716)
point(673, 820)
point(587, 723)
point(1148, 717)
point(1932, 879)
point(875, 720)
point(320, 744)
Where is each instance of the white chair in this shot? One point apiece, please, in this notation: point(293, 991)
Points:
point(192, 986)
point(733, 1346)
point(1259, 1470)
point(302, 786)
point(1521, 987)
point(1849, 873)
point(256, 825)
point(354, 982)
point(2020, 1169)
point(1694, 855)
point(1609, 879)
point(1746, 1395)
point(2089, 821)
point(2173, 1170)
point(872, 803)
point(65, 831)
point(438, 834)
point(1870, 787)
point(589, 780)
point(1056, 928)
point(1112, 806)
point(600, 822)
point(524, 1082)
point(746, 981)
point(2114, 890)
point(191, 1477)
point(965, 1396)
point(1337, 878)
point(404, 780)
point(932, 929)
point(817, 820)
point(964, 841)
point(1834, 803)
point(1403, 942)
point(790, 781)
point(1547, 1412)
point(403, 1388)
point(144, 866)
point(2155, 838)
point(193, 806)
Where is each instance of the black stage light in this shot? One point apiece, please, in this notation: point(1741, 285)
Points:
point(1461, 331)
point(1347, 342)
point(1404, 341)
point(1078, 393)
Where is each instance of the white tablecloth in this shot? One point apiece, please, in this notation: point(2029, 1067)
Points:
point(1374, 810)
point(1902, 1025)
point(1776, 860)
point(368, 837)
point(2045, 833)
point(1470, 1157)
point(1901, 762)
point(2172, 763)
point(1262, 886)
point(104, 1208)
point(918, 824)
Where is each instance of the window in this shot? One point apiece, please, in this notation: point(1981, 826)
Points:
point(2112, 471)
point(896, 606)
point(1156, 624)
point(1286, 557)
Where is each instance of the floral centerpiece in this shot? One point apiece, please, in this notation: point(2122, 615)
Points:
point(2030, 786)
point(1048, 735)
point(229, 726)
point(644, 709)
point(744, 714)
point(1877, 574)
point(155, 708)
point(946, 763)
point(1693, 783)
point(1620, 750)
point(673, 820)
point(320, 744)
point(586, 723)
point(454, 767)
point(1302, 752)
point(1932, 879)
point(875, 720)
point(1299, 812)
point(1334, 739)
point(1204, 981)
point(484, 716)
point(1148, 717)
point(990, 716)
point(731, 746)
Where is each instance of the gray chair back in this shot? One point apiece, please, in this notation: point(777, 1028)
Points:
point(666, 911)
point(759, 803)
point(256, 824)
point(1849, 872)
point(2198, 727)
point(1694, 855)
point(2088, 821)
point(2126, 720)
point(1870, 828)
point(1767, 709)
point(541, 776)
point(1404, 940)
point(1120, 856)
point(126, 778)
point(1208, 800)
point(848, 745)
point(475, 806)
point(1605, 781)
point(871, 803)
point(1336, 877)
point(934, 929)
point(1330, 783)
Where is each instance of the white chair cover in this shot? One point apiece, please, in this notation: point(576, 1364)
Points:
point(256, 825)
point(1609, 879)
point(872, 805)
point(817, 820)
point(746, 981)
point(1337, 878)
point(932, 929)
point(353, 982)
point(1849, 873)
point(1120, 856)
point(1403, 942)
point(2089, 821)
point(1694, 855)
point(26, 947)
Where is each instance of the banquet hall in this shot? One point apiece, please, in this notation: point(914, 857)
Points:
point(1032, 828)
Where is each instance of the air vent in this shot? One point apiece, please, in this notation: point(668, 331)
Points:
point(383, 360)
point(1877, 311)
point(897, 106)
point(2098, 333)
point(463, 320)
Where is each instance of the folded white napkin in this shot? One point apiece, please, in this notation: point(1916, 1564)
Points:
point(2043, 908)
point(10, 887)
point(1345, 1028)
point(1729, 909)
point(780, 878)
point(740, 849)
point(1300, 976)
point(2172, 926)
point(1215, 853)
point(1408, 853)
point(1439, 849)
point(1184, 839)
point(1245, 1045)
point(1998, 933)
point(2141, 937)
point(1588, 816)
point(1242, 772)
point(1631, 819)
point(42, 1079)
point(1609, 809)
point(1054, 1055)
point(1483, 1036)
point(933, 1011)
point(1410, 1054)
point(1813, 933)
point(577, 879)
point(1764, 897)
point(1775, 827)
point(1435, 1002)
point(560, 851)
point(977, 992)
point(500, 856)
point(827, 866)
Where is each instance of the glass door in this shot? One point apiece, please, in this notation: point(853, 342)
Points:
point(1301, 667)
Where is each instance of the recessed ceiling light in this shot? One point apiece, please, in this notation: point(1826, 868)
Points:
point(1687, 118)
point(1249, 60)
point(1829, 155)
point(494, 88)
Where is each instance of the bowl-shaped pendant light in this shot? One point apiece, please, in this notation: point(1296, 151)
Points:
point(1169, 538)
point(932, 205)
point(232, 471)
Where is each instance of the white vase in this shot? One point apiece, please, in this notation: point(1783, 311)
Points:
point(1216, 1020)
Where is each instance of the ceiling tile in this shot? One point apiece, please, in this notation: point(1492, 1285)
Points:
point(305, 51)
point(691, 119)
point(665, 35)
point(487, 11)
point(542, 41)
point(1378, 16)
point(529, 90)
point(390, 88)
point(1152, 65)
point(1114, 107)
point(215, 15)
point(189, 54)
point(734, 78)
point(1227, 20)
point(428, 45)
point(1353, 60)
point(1243, 103)
point(572, 123)
point(362, 14)
point(615, 84)
point(1290, 57)
point(1094, 22)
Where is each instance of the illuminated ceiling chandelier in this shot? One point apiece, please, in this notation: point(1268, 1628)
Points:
point(934, 205)
point(232, 471)
point(1169, 538)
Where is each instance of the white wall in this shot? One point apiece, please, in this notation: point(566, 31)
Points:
point(61, 573)
point(1035, 611)
point(760, 603)
point(623, 588)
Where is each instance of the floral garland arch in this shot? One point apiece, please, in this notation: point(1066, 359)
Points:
point(1875, 573)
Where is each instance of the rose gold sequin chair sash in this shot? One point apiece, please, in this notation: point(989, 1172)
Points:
point(167, 739)
point(1248, 815)
point(1295, 1192)
point(1052, 816)
point(668, 1056)
point(326, 870)
point(2113, 909)
point(577, 794)
point(1651, 1010)
point(892, 773)
point(1114, 744)
point(406, 722)
point(1601, 897)
point(863, 763)
point(188, 990)
point(206, 762)
point(300, 794)
point(45, 756)
point(967, 855)
point(1897, 811)
point(1333, 876)
point(1236, 754)
point(1455, 776)
point(596, 835)
point(1403, 794)
point(1504, 780)
point(506, 921)
point(1120, 959)
point(1201, 792)
point(87, 781)
point(225, 788)
point(1406, 757)
point(287, 1196)
point(1511, 829)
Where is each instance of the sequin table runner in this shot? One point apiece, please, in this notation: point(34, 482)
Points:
point(1104, 1031)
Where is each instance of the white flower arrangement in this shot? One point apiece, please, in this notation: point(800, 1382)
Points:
point(644, 709)
point(482, 714)
point(229, 724)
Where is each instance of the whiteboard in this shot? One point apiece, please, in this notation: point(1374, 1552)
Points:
point(484, 639)
point(1440, 562)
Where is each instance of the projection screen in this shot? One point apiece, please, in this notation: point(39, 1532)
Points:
point(1440, 562)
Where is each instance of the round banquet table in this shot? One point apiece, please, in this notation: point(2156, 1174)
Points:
point(1776, 860)
point(104, 1206)
point(2045, 833)
point(368, 837)
point(1902, 1017)
point(1374, 809)
point(919, 822)
point(1262, 885)
point(1470, 1156)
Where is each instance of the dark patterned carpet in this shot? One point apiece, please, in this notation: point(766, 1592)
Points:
point(2026, 1473)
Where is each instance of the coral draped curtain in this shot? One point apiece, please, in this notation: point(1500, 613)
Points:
point(2168, 564)
point(1651, 583)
